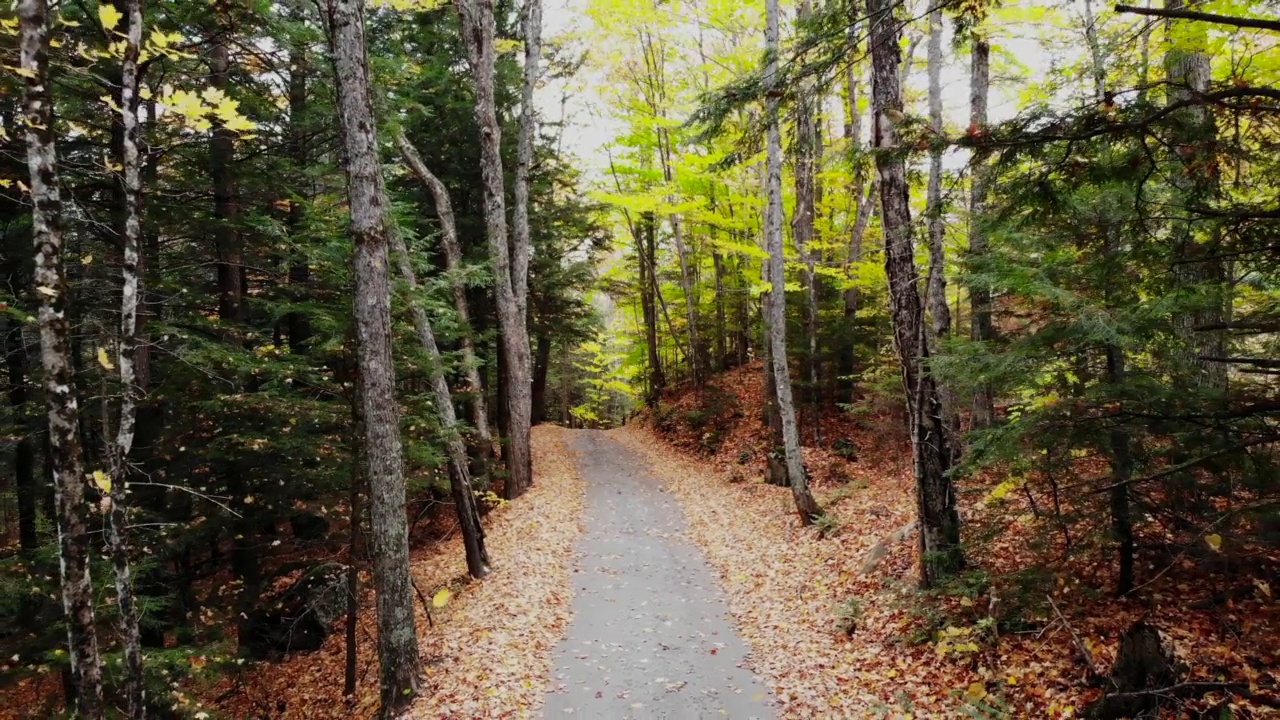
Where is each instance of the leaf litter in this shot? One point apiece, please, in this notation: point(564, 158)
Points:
point(487, 650)
point(834, 638)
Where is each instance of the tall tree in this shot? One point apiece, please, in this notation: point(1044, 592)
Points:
point(117, 519)
point(453, 264)
point(776, 299)
point(1194, 179)
point(65, 452)
point(979, 293)
point(939, 523)
point(478, 35)
point(384, 466)
point(464, 499)
point(807, 146)
point(528, 131)
point(936, 283)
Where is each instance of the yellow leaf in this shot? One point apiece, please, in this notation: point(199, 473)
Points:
point(102, 481)
point(1213, 541)
point(105, 360)
point(109, 16)
point(24, 72)
point(5, 182)
point(976, 691)
point(441, 599)
point(87, 259)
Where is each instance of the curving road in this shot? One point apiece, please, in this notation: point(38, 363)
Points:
point(650, 636)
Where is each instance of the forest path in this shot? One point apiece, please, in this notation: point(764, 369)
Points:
point(650, 635)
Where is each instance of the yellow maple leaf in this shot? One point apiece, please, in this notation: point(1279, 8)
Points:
point(105, 360)
point(109, 16)
point(1214, 542)
point(441, 598)
point(102, 480)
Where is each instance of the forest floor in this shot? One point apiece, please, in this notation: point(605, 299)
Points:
point(832, 635)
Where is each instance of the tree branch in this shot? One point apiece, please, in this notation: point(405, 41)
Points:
point(1256, 23)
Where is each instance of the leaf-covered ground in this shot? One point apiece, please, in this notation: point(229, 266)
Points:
point(489, 651)
point(797, 592)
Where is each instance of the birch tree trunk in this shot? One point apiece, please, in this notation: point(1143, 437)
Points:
point(65, 453)
point(776, 302)
point(936, 285)
point(478, 35)
point(464, 499)
point(117, 518)
point(979, 294)
point(384, 466)
point(528, 130)
point(453, 263)
point(939, 522)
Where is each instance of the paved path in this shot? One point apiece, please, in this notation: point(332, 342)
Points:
point(651, 636)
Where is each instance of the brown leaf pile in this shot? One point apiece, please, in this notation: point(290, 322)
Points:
point(489, 651)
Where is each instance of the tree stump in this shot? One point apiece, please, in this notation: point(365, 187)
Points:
point(1143, 663)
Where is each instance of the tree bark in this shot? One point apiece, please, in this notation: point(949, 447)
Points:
point(541, 365)
point(453, 265)
point(979, 293)
point(646, 246)
point(459, 470)
point(776, 304)
point(940, 551)
point(803, 224)
point(478, 35)
point(298, 324)
point(722, 350)
point(1194, 177)
point(936, 285)
point(528, 130)
point(384, 466)
point(66, 455)
point(117, 518)
point(226, 196)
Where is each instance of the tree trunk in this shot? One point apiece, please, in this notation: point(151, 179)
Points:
point(688, 288)
point(541, 364)
point(117, 519)
point(1121, 472)
point(775, 462)
point(226, 197)
point(357, 551)
point(806, 171)
point(722, 349)
point(528, 130)
point(66, 456)
point(384, 466)
point(936, 286)
point(1194, 178)
point(776, 305)
point(979, 294)
point(298, 324)
point(24, 454)
point(459, 470)
point(478, 35)
point(646, 246)
point(940, 551)
point(453, 264)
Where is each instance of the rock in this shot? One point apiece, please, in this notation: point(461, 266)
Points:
point(300, 617)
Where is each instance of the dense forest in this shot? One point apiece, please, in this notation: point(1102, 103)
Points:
point(987, 290)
